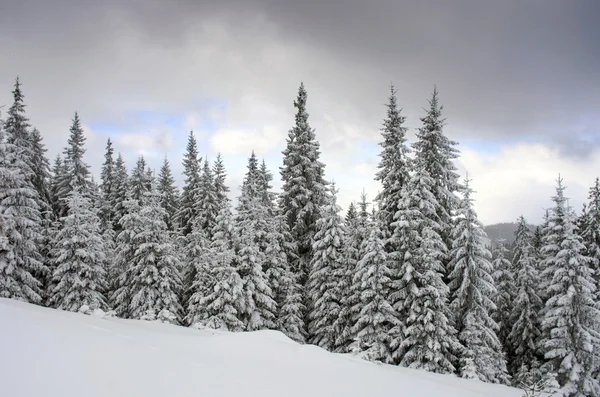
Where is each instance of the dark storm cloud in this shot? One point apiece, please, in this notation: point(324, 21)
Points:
point(505, 68)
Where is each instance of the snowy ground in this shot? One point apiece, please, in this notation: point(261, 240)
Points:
point(46, 352)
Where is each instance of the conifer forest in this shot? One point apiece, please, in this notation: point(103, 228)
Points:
point(407, 278)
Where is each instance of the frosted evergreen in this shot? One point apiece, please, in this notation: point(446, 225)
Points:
point(169, 195)
point(191, 170)
point(20, 258)
point(377, 316)
point(472, 290)
point(304, 187)
point(505, 292)
point(326, 275)
point(570, 330)
point(79, 276)
point(394, 164)
point(525, 314)
point(425, 338)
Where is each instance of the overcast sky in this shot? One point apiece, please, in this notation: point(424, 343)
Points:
point(519, 81)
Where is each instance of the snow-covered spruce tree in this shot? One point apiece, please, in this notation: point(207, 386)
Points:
point(169, 195)
point(150, 282)
point(251, 223)
point(207, 205)
point(195, 271)
point(20, 219)
point(435, 152)
point(284, 282)
point(140, 182)
point(505, 293)
point(119, 193)
point(425, 338)
point(219, 175)
point(394, 165)
point(525, 313)
point(377, 316)
point(218, 295)
point(591, 232)
point(58, 170)
point(570, 338)
point(472, 290)
point(326, 275)
point(304, 186)
point(79, 276)
point(188, 201)
point(77, 171)
point(106, 212)
point(358, 229)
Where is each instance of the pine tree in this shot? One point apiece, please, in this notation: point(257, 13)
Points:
point(20, 218)
point(377, 316)
point(218, 295)
point(221, 190)
point(119, 193)
point(304, 187)
point(326, 272)
point(169, 195)
point(472, 288)
point(77, 173)
point(106, 186)
point(79, 277)
point(207, 205)
point(426, 338)
point(505, 294)
point(151, 281)
point(394, 164)
point(196, 272)
point(526, 306)
point(570, 338)
point(435, 153)
point(191, 169)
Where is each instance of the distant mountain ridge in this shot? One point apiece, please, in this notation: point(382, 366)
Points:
point(503, 231)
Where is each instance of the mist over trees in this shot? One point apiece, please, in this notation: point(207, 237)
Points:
point(410, 279)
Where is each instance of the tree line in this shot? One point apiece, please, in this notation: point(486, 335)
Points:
point(405, 280)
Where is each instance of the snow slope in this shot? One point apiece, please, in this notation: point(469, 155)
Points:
point(46, 352)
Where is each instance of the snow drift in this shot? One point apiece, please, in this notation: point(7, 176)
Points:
point(47, 352)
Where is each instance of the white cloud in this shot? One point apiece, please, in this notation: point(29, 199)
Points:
point(244, 141)
point(521, 179)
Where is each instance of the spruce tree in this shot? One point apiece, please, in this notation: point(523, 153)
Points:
point(472, 288)
point(195, 272)
point(218, 295)
point(207, 205)
point(425, 338)
point(77, 173)
point(119, 193)
point(106, 186)
point(394, 164)
point(151, 281)
point(590, 232)
point(526, 306)
point(140, 182)
point(20, 258)
point(377, 316)
point(435, 152)
point(304, 187)
point(326, 273)
point(570, 338)
point(58, 170)
point(169, 195)
point(505, 293)
point(79, 277)
point(191, 169)
point(358, 228)
point(220, 188)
